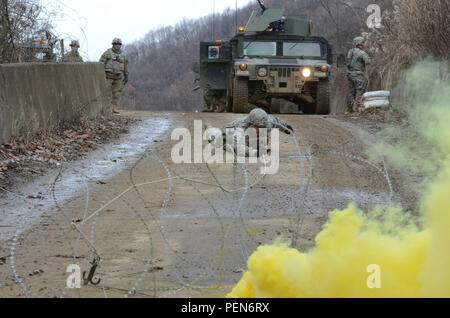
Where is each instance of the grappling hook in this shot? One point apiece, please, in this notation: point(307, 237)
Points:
point(90, 277)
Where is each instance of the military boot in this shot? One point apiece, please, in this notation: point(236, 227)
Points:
point(116, 109)
point(207, 109)
point(220, 108)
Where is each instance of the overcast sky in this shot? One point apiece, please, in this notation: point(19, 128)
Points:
point(96, 22)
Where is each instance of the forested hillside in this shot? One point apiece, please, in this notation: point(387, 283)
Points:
point(161, 63)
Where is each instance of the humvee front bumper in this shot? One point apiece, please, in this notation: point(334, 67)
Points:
point(282, 79)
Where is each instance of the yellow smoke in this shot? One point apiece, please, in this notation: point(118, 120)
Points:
point(413, 254)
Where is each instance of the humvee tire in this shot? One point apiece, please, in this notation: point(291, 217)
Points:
point(240, 95)
point(308, 109)
point(322, 106)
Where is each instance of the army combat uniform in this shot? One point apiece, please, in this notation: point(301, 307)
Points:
point(116, 68)
point(266, 121)
point(49, 57)
point(357, 61)
point(73, 57)
point(258, 118)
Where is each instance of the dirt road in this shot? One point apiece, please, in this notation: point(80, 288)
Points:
point(186, 230)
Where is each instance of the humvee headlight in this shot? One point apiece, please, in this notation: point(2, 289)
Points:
point(262, 72)
point(306, 72)
point(243, 67)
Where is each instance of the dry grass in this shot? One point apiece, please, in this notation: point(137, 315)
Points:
point(413, 30)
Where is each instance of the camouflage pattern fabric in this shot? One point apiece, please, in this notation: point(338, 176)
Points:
point(115, 62)
point(247, 122)
point(116, 67)
point(114, 84)
point(356, 89)
point(73, 57)
point(357, 61)
point(49, 57)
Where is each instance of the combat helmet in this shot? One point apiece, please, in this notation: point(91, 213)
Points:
point(358, 41)
point(116, 41)
point(258, 117)
point(75, 43)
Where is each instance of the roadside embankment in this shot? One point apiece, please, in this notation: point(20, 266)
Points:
point(42, 95)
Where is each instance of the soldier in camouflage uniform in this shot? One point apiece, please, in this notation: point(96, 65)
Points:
point(49, 56)
point(257, 119)
point(73, 56)
point(116, 69)
point(357, 60)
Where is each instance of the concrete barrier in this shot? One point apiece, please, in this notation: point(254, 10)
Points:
point(42, 95)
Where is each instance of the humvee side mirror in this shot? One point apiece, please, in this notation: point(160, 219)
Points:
point(196, 67)
point(340, 61)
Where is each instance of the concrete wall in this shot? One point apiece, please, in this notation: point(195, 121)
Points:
point(37, 95)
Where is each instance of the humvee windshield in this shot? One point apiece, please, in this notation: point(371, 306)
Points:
point(302, 49)
point(294, 49)
point(260, 48)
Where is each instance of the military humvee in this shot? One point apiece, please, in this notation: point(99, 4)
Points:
point(272, 60)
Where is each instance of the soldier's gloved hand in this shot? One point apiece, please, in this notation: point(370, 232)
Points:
point(125, 80)
point(289, 130)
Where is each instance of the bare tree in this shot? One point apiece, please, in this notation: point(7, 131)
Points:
point(23, 25)
point(161, 63)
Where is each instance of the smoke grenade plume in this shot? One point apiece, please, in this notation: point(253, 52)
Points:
point(411, 252)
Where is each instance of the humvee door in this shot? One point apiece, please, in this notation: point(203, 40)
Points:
point(215, 58)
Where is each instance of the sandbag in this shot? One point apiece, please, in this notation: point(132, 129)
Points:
point(370, 99)
point(377, 94)
point(376, 104)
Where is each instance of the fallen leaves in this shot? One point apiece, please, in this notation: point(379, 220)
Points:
point(34, 197)
point(69, 142)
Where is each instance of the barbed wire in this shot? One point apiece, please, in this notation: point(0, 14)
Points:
point(214, 269)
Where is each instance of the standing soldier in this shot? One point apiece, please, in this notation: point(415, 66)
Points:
point(357, 60)
point(49, 56)
point(116, 69)
point(73, 56)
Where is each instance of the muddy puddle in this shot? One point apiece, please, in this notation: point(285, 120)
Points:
point(23, 207)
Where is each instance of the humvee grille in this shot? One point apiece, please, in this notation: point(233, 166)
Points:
point(284, 71)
